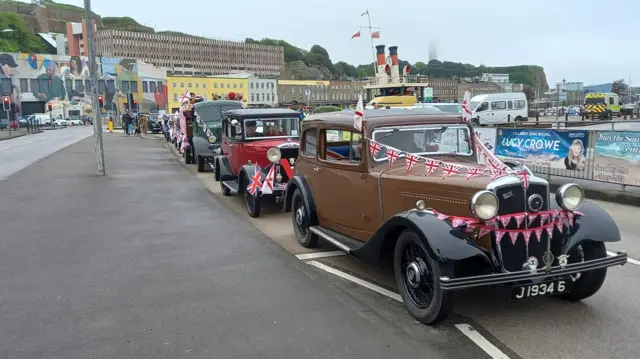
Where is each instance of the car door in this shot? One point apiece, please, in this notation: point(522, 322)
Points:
point(341, 184)
point(232, 144)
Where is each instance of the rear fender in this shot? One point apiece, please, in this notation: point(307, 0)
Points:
point(444, 244)
point(596, 225)
point(300, 182)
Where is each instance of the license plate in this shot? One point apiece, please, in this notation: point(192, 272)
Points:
point(541, 289)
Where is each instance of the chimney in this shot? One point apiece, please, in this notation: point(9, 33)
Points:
point(382, 76)
point(395, 64)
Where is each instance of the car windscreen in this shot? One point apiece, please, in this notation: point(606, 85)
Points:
point(594, 101)
point(258, 128)
point(212, 115)
point(424, 140)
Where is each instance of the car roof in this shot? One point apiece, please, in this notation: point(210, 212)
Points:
point(213, 103)
point(262, 112)
point(380, 117)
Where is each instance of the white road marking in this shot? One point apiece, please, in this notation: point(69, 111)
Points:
point(356, 280)
point(315, 255)
point(629, 260)
point(481, 341)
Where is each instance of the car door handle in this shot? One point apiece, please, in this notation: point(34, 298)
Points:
point(317, 169)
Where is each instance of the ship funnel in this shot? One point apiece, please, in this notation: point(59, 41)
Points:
point(382, 77)
point(395, 69)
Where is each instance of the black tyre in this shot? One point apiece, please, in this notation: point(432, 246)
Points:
point(518, 119)
point(200, 163)
point(224, 189)
point(252, 202)
point(588, 283)
point(302, 221)
point(475, 121)
point(417, 277)
point(216, 174)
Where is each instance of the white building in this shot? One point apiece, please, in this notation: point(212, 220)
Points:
point(262, 91)
point(497, 78)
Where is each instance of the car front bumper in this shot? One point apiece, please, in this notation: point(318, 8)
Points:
point(449, 284)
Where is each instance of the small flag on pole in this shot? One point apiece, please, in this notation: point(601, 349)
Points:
point(267, 185)
point(185, 97)
point(365, 13)
point(358, 116)
point(466, 106)
point(375, 35)
point(357, 34)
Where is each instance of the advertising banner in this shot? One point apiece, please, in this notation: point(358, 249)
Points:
point(487, 136)
point(617, 157)
point(545, 148)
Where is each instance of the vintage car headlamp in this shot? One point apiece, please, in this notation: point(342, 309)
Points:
point(212, 139)
point(274, 155)
point(484, 205)
point(570, 196)
point(420, 205)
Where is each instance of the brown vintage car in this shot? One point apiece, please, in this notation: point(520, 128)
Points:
point(444, 234)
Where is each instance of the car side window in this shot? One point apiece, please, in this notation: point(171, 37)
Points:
point(235, 132)
point(483, 107)
point(342, 146)
point(310, 142)
point(499, 105)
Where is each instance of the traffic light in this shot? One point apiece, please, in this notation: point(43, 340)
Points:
point(50, 107)
point(101, 101)
point(6, 102)
point(135, 105)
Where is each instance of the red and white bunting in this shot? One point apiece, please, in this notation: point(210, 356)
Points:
point(411, 161)
point(523, 176)
point(484, 231)
point(449, 169)
point(543, 218)
point(527, 236)
point(392, 155)
point(474, 172)
point(374, 148)
point(514, 236)
point(519, 219)
point(505, 221)
point(570, 219)
point(549, 230)
point(559, 225)
point(532, 217)
point(497, 174)
point(430, 166)
point(499, 235)
point(457, 222)
point(538, 232)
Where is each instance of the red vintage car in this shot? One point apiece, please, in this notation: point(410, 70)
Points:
point(259, 150)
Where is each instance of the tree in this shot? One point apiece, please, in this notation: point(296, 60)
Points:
point(619, 87)
point(21, 39)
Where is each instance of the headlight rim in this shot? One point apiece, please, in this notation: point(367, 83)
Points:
point(560, 194)
point(474, 201)
point(279, 156)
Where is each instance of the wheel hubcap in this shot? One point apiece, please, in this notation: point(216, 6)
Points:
point(300, 216)
point(413, 275)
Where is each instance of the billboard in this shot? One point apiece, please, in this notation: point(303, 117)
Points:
point(617, 157)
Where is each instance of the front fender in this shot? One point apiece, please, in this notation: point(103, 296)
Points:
point(200, 147)
point(444, 243)
point(596, 225)
point(300, 182)
point(226, 173)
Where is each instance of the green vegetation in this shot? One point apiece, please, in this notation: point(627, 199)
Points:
point(302, 64)
point(322, 109)
point(21, 39)
point(124, 23)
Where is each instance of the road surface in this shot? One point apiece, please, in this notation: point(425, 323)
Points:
point(146, 263)
point(18, 153)
point(606, 325)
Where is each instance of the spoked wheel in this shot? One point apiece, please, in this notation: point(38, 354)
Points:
point(301, 222)
point(417, 276)
point(251, 201)
point(588, 283)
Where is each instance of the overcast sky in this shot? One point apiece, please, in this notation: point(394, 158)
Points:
point(569, 38)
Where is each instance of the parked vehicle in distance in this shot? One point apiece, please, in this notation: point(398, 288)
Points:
point(210, 112)
point(603, 105)
point(59, 121)
point(391, 101)
point(448, 107)
point(265, 140)
point(75, 122)
point(499, 108)
point(443, 234)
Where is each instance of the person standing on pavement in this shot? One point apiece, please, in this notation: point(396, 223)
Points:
point(144, 126)
point(110, 124)
point(129, 120)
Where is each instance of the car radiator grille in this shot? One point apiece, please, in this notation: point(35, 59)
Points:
point(513, 200)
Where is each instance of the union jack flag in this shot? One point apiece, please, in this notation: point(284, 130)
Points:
point(374, 147)
point(430, 166)
point(474, 172)
point(392, 155)
point(449, 169)
point(523, 176)
point(497, 173)
point(412, 161)
point(256, 182)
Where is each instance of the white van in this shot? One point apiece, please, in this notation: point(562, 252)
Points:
point(40, 118)
point(496, 108)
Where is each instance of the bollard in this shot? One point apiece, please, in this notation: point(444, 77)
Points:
point(566, 119)
point(537, 118)
point(508, 118)
point(583, 116)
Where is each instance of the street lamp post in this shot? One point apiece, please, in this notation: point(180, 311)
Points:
point(93, 74)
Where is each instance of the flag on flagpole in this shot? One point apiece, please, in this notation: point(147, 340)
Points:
point(357, 34)
point(366, 12)
point(358, 116)
point(466, 106)
point(375, 35)
point(267, 185)
point(185, 96)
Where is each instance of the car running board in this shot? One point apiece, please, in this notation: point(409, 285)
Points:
point(232, 185)
point(342, 242)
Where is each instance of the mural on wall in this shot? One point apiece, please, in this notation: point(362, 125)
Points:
point(151, 93)
point(66, 79)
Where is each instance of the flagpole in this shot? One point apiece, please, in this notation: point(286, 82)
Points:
point(373, 50)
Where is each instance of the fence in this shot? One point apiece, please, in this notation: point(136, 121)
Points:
point(602, 154)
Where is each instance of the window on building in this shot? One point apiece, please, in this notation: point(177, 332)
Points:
point(215, 85)
point(197, 85)
point(24, 85)
point(152, 86)
point(80, 86)
point(241, 85)
point(268, 97)
point(175, 85)
point(252, 98)
point(342, 146)
point(251, 85)
point(204, 85)
point(309, 142)
point(262, 85)
point(262, 97)
point(145, 87)
point(182, 84)
point(228, 86)
point(175, 97)
point(235, 85)
point(35, 85)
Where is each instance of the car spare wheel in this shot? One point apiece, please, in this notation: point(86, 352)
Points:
point(588, 283)
point(252, 202)
point(302, 221)
point(417, 277)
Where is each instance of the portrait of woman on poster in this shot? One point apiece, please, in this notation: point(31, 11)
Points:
point(75, 71)
point(576, 159)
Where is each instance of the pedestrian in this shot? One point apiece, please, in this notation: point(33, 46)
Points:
point(144, 126)
point(110, 124)
point(129, 125)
